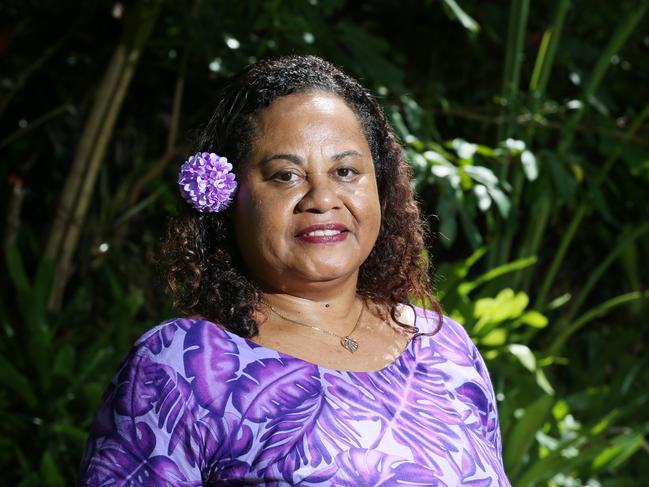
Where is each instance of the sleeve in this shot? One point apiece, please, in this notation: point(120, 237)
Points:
point(474, 383)
point(144, 432)
point(492, 421)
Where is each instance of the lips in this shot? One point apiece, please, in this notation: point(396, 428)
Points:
point(323, 233)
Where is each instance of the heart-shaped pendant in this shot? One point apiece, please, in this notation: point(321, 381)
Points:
point(349, 344)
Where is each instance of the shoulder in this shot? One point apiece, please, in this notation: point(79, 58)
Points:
point(169, 341)
point(197, 355)
point(449, 340)
point(433, 322)
point(200, 354)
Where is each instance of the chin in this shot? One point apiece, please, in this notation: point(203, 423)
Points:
point(329, 273)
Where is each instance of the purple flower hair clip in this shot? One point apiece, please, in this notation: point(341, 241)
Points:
point(206, 182)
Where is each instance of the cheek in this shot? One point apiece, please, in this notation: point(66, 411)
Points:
point(376, 208)
point(374, 218)
point(368, 208)
point(247, 218)
point(261, 222)
point(271, 222)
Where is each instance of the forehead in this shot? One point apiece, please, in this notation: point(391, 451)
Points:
point(308, 118)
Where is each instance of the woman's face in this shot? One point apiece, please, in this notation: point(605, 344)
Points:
point(307, 209)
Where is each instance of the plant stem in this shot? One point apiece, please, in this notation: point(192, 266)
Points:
point(616, 42)
point(509, 105)
point(622, 33)
point(548, 50)
point(534, 234)
point(512, 73)
point(600, 269)
point(581, 212)
point(592, 314)
point(93, 144)
point(544, 62)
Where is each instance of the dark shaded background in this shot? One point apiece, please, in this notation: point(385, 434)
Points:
point(527, 132)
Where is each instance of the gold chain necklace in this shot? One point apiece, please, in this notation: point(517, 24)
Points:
point(347, 342)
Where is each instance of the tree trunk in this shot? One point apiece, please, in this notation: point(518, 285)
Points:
point(93, 144)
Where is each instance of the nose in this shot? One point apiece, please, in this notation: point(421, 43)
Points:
point(321, 195)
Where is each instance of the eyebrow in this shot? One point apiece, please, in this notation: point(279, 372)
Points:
point(287, 157)
point(298, 160)
point(346, 153)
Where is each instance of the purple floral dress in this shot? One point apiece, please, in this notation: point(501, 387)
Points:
point(195, 405)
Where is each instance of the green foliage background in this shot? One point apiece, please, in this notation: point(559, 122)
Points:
point(526, 124)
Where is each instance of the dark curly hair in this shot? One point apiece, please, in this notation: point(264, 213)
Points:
point(204, 270)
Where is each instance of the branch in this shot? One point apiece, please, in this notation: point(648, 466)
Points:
point(35, 66)
point(526, 120)
point(46, 117)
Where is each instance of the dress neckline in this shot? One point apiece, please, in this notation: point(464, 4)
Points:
point(253, 345)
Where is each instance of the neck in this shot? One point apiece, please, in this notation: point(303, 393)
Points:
point(331, 307)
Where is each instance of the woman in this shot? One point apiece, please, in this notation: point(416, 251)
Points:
point(302, 362)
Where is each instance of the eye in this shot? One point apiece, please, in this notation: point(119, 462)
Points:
point(346, 172)
point(285, 176)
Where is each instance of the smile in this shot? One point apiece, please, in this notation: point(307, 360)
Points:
point(323, 233)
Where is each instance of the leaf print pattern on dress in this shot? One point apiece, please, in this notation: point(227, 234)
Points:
point(197, 405)
point(267, 388)
point(162, 336)
point(360, 467)
point(134, 396)
point(127, 462)
point(474, 397)
point(129, 454)
point(224, 442)
point(211, 360)
point(287, 396)
point(175, 407)
point(409, 399)
point(147, 386)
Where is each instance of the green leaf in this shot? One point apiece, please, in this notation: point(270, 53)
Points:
point(16, 269)
point(530, 166)
point(482, 174)
point(560, 409)
point(592, 314)
point(495, 338)
point(39, 348)
point(543, 382)
point(446, 210)
point(14, 380)
point(534, 319)
point(506, 305)
point(486, 151)
point(413, 113)
point(458, 13)
point(563, 179)
point(31, 480)
point(465, 150)
point(558, 461)
point(399, 125)
point(559, 301)
point(484, 200)
point(599, 202)
point(502, 202)
point(523, 432)
point(50, 471)
point(470, 229)
point(621, 449)
point(524, 355)
point(75, 433)
point(64, 362)
point(492, 274)
point(41, 291)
